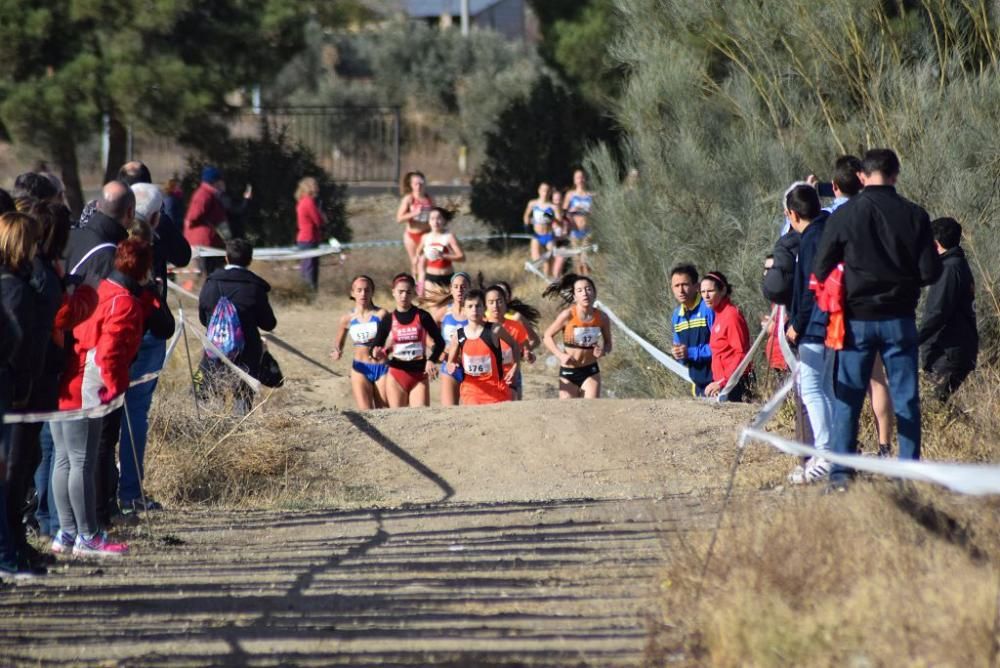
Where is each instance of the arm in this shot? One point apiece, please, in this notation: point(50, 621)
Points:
point(452, 355)
point(606, 335)
point(557, 325)
point(158, 320)
point(830, 251)
point(196, 209)
point(941, 300)
point(340, 336)
point(434, 332)
point(381, 337)
point(457, 254)
point(929, 262)
point(807, 298)
point(402, 213)
point(265, 314)
point(206, 301)
point(117, 346)
point(515, 352)
point(526, 217)
point(178, 250)
point(533, 338)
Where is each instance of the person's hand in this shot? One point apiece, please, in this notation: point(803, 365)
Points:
point(791, 334)
point(564, 358)
point(812, 180)
point(713, 389)
point(528, 355)
point(679, 352)
point(452, 368)
point(598, 352)
point(510, 375)
point(432, 370)
point(248, 192)
point(336, 354)
point(378, 353)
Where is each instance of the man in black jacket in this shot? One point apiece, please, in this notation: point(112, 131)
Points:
point(90, 253)
point(248, 293)
point(949, 341)
point(887, 248)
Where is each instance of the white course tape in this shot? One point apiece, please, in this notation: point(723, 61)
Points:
point(531, 268)
point(77, 413)
point(786, 349)
point(666, 360)
point(179, 290)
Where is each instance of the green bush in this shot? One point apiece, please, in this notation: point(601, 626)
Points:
point(274, 166)
point(539, 137)
point(728, 103)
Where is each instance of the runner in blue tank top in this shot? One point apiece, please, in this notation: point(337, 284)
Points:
point(450, 317)
point(368, 377)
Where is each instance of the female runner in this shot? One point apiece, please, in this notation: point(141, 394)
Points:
point(450, 317)
point(560, 233)
point(539, 215)
point(477, 349)
point(730, 338)
point(579, 203)
point(498, 313)
point(414, 211)
point(436, 252)
point(368, 377)
point(404, 335)
point(586, 334)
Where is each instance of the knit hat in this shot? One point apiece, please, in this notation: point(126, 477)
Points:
point(210, 174)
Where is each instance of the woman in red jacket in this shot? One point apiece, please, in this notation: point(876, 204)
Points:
point(97, 371)
point(730, 337)
point(310, 220)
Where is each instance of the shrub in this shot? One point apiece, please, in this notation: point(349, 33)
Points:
point(539, 137)
point(273, 165)
point(726, 104)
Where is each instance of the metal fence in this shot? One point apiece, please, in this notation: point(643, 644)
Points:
point(354, 145)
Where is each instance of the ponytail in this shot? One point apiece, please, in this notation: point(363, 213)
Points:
point(563, 288)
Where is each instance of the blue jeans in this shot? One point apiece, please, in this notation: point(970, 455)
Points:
point(48, 520)
point(816, 389)
point(896, 340)
point(7, 554)
point(138, 400)
point(309, 267)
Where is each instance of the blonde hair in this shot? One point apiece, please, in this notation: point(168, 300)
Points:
point(141, 230)
point(307, 186)
point(18, 239)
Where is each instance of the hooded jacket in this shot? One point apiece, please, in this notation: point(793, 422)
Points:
point(948, 328)
point(887, 247)
point(205, 213)
point(101, 230)
point(248, 293)
point(20, 301)
point(105, 344)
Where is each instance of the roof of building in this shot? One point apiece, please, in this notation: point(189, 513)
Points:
point(433, 8)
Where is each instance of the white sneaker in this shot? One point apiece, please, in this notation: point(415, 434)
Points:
point(815, 469)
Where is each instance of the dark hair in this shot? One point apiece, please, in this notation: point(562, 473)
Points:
point(134, 172)
point(445, 213)
point(33, 185)
point(688, 269)
point(239, 252)
point(366, 277)
point(845, 175)
point(404, 184)
point(475, 295)
point(804, 201)
point(527, 311)
point(720, 280)
point(947, 232)
point(403, 277)
point(6, 202)
point(55, 223)
point(563, 288)
point(881, 160)
point(134, 257)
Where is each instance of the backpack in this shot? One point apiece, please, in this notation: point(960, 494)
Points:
point(225, 330)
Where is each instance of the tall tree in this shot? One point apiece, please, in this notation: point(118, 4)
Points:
point(68, 66)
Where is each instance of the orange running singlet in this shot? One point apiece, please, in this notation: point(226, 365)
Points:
point(483, 382)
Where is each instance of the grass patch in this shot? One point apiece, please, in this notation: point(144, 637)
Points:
point(880, 576)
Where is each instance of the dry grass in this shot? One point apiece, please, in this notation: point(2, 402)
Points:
point(881, 576)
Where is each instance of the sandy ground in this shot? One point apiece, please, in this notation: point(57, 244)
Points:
point(518, 534)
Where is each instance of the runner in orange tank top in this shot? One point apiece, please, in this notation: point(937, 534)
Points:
point(586, 337)
point(497, 312)
point(476, 347)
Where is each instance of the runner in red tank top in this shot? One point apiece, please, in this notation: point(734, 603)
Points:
point(414, 210)
point(476, 347)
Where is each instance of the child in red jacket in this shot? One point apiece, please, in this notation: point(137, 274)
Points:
point(97, 371)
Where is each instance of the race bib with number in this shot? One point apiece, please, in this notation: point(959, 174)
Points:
point(586, 337)
point(408, 351)
point(363, 333)
point(477, 365)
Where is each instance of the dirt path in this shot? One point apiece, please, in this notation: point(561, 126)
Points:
point(528, 534)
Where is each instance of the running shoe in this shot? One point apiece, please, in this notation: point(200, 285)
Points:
point(63, 543)
point(98, 546)
point(138, 506)
point(815, 469)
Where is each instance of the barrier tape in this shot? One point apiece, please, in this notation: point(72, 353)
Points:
point(221, 356)
point(77, 413)
point(786, 349)
point(663, 358)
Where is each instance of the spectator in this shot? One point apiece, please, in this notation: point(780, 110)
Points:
point(310, 220)
point(948, 338)
point(18, 243)
point(846, 181)
point(97, 371)
point(131, 435)
point(730, 339)
point(248, 293)
point(887, 248)
point(52, 221)
point(90, 254)
point(173, 201)
point(807, 330)
point(692, 323)
point(34, 186)
point(205, 215)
